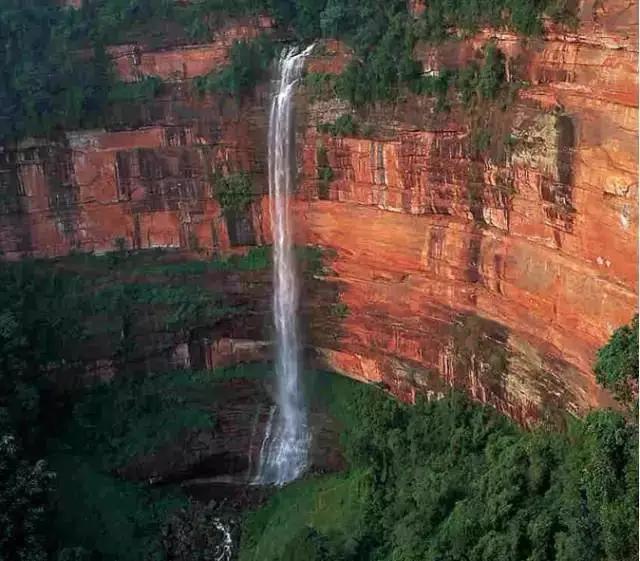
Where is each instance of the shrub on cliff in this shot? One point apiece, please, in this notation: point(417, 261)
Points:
point(491, 75)
point(616, 366)
point(523, 16)
point(344, 125)
point(142, 91)
point(386, 63)
point(324, 171)
point(248, 64)
point(478, 82)
point(320, 85)
point(234, 191)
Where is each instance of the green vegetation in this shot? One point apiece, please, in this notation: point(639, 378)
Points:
point(166, 263)
point(101, 300)
point(184, 305)
point(42, 88)
point(62, 444)
point(383, 38)
point(320, 85)
point(194, 534)
point(324, 171)
point(436, 86)
point(132, 415)
point(110, 424)
point(474, 84)
point(325, 174)
point(479, 141)
point(250, 61)
point(522, 16)
point(234, 191)
point(312, 259)
point(453, 480)
point(616, 367)
point(344, 125)
point(340, 310)
point(163, 268)
point(142, 91)
point(49, 81)
point(477, 83)
point(256, 259)
point(25, 515)
point(384, 35)
point(296, 523)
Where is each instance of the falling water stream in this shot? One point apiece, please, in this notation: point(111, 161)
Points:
point(285, 447)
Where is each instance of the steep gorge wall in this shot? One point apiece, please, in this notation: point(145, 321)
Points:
point(148, 178)
point(534, 256)
point(501, 274)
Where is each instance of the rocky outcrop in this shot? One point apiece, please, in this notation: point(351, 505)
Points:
point(501, 271)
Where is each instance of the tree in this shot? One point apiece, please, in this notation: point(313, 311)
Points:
point(310, 545)
point(24, 511)
point(616, 365)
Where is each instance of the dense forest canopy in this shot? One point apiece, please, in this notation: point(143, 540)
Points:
point(450, 480)
point(55, 73)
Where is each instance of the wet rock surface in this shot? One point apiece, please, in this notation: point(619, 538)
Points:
point(223, 462)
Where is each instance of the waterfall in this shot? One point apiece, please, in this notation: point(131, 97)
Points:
point(285, 454)
point(224, 551)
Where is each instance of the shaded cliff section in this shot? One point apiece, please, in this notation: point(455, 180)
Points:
point(494, 251)
point(147, 312)
point(156, 311)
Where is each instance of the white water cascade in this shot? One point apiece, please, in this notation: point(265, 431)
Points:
point(223, 551)
point(285, 450)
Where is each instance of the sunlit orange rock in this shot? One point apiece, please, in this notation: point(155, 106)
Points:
point(539, 263)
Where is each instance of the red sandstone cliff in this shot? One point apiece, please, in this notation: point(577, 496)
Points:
point(502, 275)
point(544, 252)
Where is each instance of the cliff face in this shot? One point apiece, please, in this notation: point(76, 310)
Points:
point(148, 178)
point(500, 274)
point(506, 277)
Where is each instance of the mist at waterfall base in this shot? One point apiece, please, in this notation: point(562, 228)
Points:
point(285, 448)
